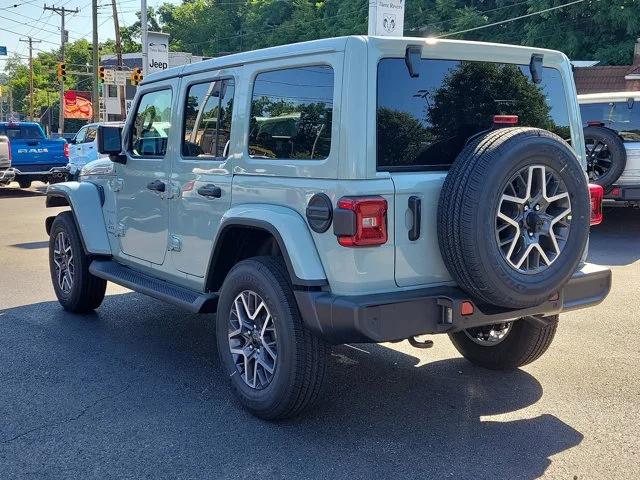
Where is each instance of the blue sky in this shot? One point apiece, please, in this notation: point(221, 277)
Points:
point(28, 18)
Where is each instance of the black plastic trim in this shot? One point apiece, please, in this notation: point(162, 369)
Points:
point(264, 225)
point(415, 207)
point(399, 315)
point(344, 222)
point(319, 213)
point(191, 300)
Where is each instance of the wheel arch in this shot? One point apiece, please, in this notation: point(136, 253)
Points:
point(252, 230)
point(85, 201)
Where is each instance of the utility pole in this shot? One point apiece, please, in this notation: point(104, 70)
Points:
point(121, 89)
point(10, 104)
point(30, 41)
point(64, 36)
point(95, 96)
point(143, 35)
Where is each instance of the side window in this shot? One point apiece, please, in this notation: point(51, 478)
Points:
point(80, 135)
point(152, 124)
point(623, 117)
point(91, 134)
point(207, 119)
point(291, 113)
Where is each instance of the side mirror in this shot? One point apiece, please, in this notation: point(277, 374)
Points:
point(110, 143)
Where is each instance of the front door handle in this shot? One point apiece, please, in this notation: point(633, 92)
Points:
point(157, 186)
point(210, 190)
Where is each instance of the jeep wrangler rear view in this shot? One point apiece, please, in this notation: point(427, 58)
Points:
point(344, 190)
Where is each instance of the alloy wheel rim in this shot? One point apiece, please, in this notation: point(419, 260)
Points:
point(253, 340)
point(598, 158)
point(533, 219)
point(489, 335)
point(63, 262)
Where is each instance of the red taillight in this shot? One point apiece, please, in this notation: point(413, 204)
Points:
point(596, 193)
point(615, 192)
point(466, 308)
point(505, 119)
point(370, 225)
point(66, 150)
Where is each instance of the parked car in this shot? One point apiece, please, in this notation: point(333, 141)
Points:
point(612, 133)
point(34, 157)
point(414, 187)
point(84, 148)
point(6, 173)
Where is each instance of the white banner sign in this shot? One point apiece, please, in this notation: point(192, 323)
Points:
point(109, 75)
point(121, 77)
point(386, 17)
point(157, 52)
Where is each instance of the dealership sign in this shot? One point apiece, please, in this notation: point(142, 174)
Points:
point(157, 52)
point(386, 17)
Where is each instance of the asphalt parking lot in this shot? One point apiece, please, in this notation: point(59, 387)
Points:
point(133, 391)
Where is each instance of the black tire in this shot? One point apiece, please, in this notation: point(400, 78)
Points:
point(527, 339)
point(468, 208)
point(604, 149)
point(301, 361)
point(87, 291)
point(24, 183)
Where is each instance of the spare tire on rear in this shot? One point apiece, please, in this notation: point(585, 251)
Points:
point(513, 217)
point(606, 155)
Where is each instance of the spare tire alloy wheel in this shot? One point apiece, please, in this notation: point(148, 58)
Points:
point(513, 217)
point(533, 219)
point(606, 155)
point(253, 340)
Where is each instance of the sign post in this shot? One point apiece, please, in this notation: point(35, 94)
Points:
point(157, 52)
point(386, 17)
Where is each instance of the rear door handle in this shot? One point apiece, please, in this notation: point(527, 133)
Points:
point(210, 190)
point(157, 186)
point(415, 207)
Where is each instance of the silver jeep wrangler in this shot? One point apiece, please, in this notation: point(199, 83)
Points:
point(344, 190)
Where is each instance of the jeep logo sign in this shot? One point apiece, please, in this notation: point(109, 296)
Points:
point(157, 52)
point(386, 17)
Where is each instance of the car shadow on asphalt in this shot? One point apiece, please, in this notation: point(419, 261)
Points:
point(615, 241)
point(14, 192)
point(139, 379)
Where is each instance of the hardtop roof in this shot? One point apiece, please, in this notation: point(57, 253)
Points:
point(324, 45)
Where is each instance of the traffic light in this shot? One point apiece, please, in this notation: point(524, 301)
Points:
point(136, 76)
point(101, 73)
point(62, 71)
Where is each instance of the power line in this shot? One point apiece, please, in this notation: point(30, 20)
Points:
point(508, 20)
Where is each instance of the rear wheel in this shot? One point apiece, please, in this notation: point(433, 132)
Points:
point(78, 291)
point(24, 182)
point(506, 345)
point(275, 364)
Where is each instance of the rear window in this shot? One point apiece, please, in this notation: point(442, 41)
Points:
point(623, 117)
point(424, 122)
point(21, 132)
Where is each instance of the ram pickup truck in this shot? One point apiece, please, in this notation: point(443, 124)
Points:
point(34, 156)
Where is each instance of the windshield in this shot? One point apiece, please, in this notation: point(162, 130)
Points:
point(424, 122)
point(623, 117)
point(21, 132)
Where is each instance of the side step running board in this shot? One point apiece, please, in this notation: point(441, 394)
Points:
point(190, 300)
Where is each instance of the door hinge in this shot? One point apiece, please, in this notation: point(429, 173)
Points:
point(175, 244)
point(120, 230)
point(116, 184)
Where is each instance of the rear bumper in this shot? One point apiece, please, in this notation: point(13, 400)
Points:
point(400, 315)
point(36, 171)
point(7, 176)
point(623, 194)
